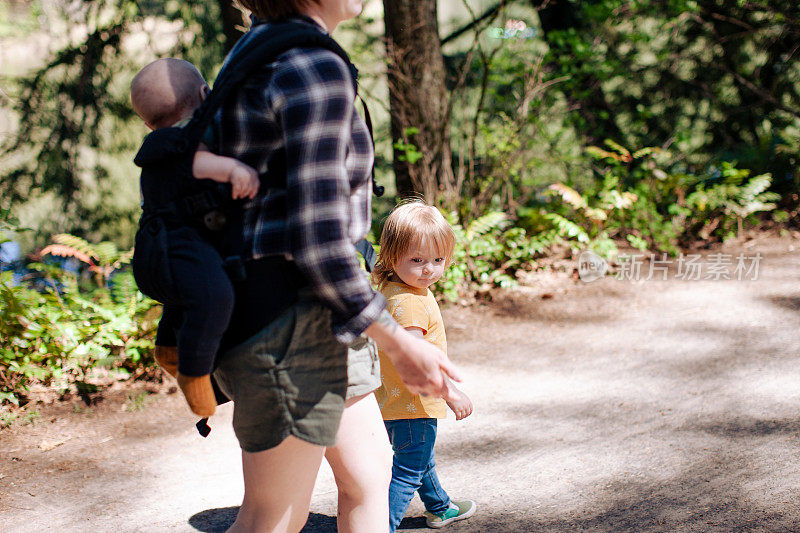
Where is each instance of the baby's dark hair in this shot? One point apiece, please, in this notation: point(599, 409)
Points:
point(166, 91)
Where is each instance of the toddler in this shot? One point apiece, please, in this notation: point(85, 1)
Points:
point(416, 246)
point(165, 93)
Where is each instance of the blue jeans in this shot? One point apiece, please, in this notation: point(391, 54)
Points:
point(413, 468)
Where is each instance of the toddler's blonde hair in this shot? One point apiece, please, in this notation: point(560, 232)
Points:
point(408, 224)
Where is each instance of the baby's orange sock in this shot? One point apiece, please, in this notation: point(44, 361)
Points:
point(199, 394)
point(167, 359)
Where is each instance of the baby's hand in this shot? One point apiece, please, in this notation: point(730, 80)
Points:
point(244, 181)
point(458, 402)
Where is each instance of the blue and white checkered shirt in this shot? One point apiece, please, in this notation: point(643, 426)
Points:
point(301, 107)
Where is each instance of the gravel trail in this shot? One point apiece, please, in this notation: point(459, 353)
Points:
point(606, 406)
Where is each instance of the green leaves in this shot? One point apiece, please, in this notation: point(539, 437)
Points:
point(66, 331)
point(493, 220)
point(568, 229)
point(488, 253)
point(408, 151)
point(655, 204)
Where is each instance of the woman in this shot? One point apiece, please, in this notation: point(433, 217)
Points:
point(295, 118)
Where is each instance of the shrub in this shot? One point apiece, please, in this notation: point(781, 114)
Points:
point(646, 199)
point(489, 252)
point(61, 331)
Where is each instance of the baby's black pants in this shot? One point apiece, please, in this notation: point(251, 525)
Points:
point(197, 295)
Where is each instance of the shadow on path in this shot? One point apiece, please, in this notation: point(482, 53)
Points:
point(790, 303)
point(220, 519)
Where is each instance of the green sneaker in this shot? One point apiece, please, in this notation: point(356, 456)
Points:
point(458, 511)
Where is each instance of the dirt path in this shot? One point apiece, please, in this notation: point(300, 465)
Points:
point(611, 406)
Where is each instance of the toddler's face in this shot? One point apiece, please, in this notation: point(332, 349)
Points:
point(420, 266)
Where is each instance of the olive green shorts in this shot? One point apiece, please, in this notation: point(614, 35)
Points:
point(292, 379)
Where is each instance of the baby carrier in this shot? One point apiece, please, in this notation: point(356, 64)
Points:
point(175, 199)
point(178, 199)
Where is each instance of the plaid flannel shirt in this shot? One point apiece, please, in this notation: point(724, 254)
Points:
point(300, 111)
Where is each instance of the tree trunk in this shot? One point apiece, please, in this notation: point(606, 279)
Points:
point(418, 99)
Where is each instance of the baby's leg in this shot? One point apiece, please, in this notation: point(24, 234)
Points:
point(167, 359)
point(207, 297)
point(166, 350)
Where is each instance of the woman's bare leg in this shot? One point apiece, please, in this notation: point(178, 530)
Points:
point(277, 487)
point(362, 466)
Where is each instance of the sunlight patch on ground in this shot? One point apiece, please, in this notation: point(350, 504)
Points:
point(767, 386)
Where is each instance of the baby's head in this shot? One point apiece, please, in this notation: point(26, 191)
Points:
point(167, 91)
point(416, 245)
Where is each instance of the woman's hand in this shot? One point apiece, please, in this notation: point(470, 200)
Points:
point(421, 365)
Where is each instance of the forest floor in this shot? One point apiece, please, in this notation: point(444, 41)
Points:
point(616, 405)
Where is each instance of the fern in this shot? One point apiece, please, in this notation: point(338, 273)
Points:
point(613, 199)
point(486, 223)
point(756, 186)
point(101, 258)
point(61, 250)
point(107, 252)
point(569, 195)
point(568, 228)
point(124, 287)
point(648, 150)
point(77, 244)
point(599, 153)
point(753, 197)
point(621, 150)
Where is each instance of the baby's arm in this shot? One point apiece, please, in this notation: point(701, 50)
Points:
point(457, 401)
point(243, 178)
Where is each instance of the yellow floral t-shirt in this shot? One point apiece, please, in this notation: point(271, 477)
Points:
point(410, 307)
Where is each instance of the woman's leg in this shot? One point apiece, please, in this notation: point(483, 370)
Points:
point(277, 487)
point(362, 466)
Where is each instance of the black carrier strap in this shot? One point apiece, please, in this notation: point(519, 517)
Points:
point(377, 190)
point(255, 50)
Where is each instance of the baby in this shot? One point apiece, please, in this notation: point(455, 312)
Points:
point(165, 93)
point(193, 285)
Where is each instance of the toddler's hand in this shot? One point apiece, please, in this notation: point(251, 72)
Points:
point(244, 181)
point(459, 403)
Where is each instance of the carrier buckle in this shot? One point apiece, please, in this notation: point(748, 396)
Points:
point(215, 220)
